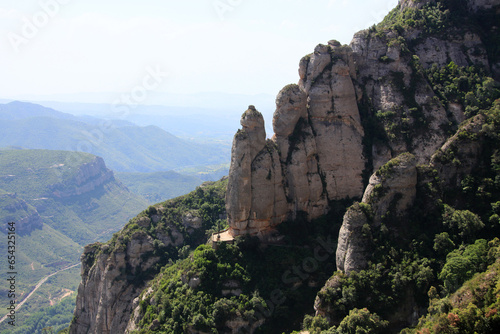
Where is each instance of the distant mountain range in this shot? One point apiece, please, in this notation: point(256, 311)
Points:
point(124, 146)
point(202, 115)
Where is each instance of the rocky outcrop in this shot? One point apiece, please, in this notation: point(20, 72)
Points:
point(394, 184)
point(315, 156)
point(255, 199)
point(458, 157)
point(89, 177)
point(391, 84)
point(113, 275)
point(353, 240)
point(320, 306)
point(392, 188)
point(334, 120)
point(325, 137)
point(191, 221)
point(14, 209)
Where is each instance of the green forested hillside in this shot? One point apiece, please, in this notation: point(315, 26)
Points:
point(60, 201)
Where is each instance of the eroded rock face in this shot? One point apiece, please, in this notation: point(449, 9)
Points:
point(255, 199)
point(17, 210)
point(315, 156)
point(335, 121)
point(324, 126)
point(387, 75)
point(351, 249)
point(318, 153)
point(90, 176)
point(394, 185)
point(191, 221)
point(111, 280)
point(458, 157)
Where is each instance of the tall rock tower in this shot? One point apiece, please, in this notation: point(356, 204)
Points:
point(315, 156)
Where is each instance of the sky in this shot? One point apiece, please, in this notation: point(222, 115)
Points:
point(55, 47)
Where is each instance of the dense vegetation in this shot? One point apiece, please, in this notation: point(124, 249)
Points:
point(474, 307)
point(244, 286)
point(206, 202)
point(53, 319)
point(51, 231)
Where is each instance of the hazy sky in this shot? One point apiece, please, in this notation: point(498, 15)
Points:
point(231, 46)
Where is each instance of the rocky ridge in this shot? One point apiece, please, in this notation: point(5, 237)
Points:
point(115, 273)
point(106, 308)
point(324, 143)
point(89, 177)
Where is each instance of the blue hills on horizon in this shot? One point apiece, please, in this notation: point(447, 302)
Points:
point(125, 147)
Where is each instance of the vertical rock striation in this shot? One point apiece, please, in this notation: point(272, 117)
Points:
point(394, 186)
point(354, 108)
point(255, 196)
point(315, 155)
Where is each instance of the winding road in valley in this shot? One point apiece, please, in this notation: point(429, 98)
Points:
point(39, 284)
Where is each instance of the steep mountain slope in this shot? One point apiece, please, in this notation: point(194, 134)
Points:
point(126, 148)
point(157, 236)
point(405, 120)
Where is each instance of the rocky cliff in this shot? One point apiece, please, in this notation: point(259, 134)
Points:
point(89, 177)
point(15, 209)
point(355, 108)
point(390, 199)
point(115, 273)
point(391, 189)
point(112, 278)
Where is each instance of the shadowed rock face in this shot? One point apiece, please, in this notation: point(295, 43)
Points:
point(395, 184)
